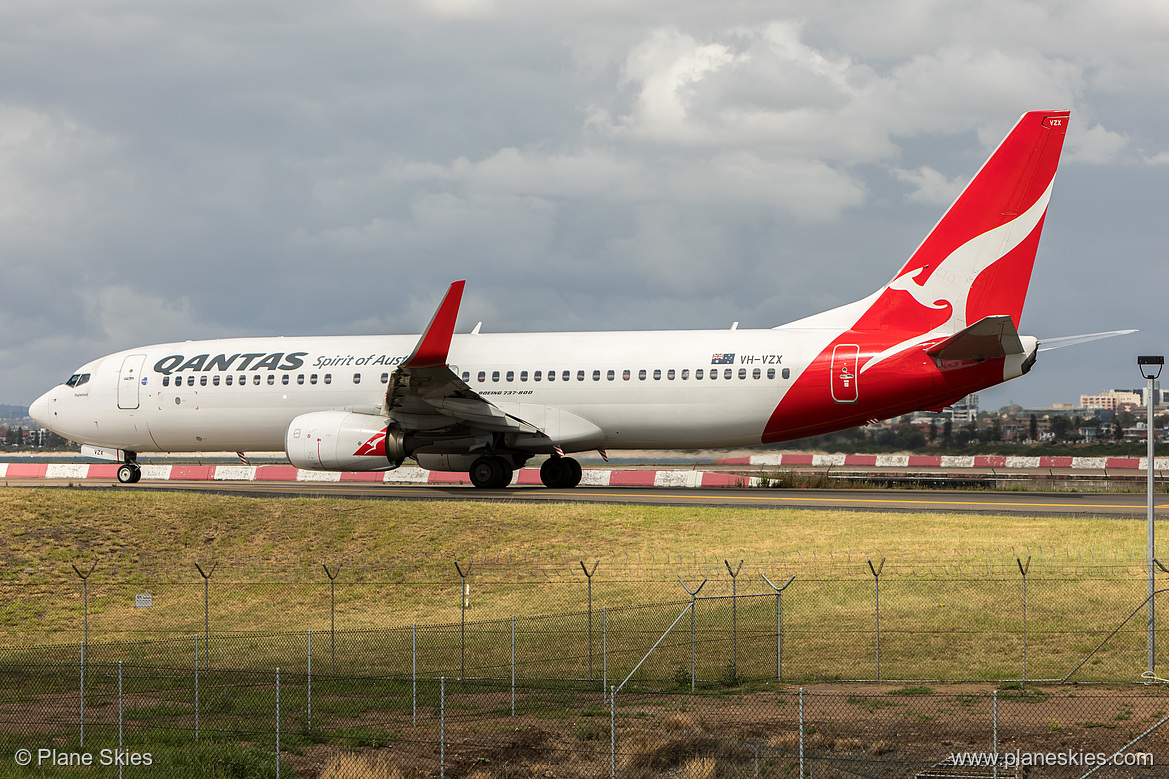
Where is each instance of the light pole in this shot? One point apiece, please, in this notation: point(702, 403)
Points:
point(1151, 366)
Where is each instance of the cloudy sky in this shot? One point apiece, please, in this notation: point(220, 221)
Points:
point(200, 168)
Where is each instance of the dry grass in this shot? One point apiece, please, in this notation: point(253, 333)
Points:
point(346, 765)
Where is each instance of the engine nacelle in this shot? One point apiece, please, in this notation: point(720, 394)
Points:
point(344, 441)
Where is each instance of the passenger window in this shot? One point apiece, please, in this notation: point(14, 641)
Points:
point(257, 379)
point(580, 375)
point(328, 378)
point(536, 376)
point(243, 379)
point(565, 375)
point(641, 374)
point(727, 372)
point(495, 375)
point(357, 378)
point(670, 374)
point(596, 375)
point(611, 375)
point(271, 379)
point(385, 378)
point(215, 380)
point(698, 374)
point(226, 379)
point(714, 373)
point(284, 378)
point(165, 381)
point(771, 373)
point(300, 378)
point(312, 379)
point(657, 374)
point(466, 375)
point(482, 376)
point(523, 375)
point(511, 375)
point(755, 374)
point(685, 374)
point(190, 381)
point(551, 375)
point(742, 373)
point(625, 374)
point(787, 373)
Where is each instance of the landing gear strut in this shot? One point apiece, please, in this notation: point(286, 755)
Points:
point(491, 472)
point(130, 472)
point(560, 472)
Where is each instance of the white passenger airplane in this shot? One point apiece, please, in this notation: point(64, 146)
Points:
point(945, 326)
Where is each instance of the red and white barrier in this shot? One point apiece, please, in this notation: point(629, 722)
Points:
point(406, 475)
point(944, 461)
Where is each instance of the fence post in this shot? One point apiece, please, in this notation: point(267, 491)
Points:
point(464, 596)
point(589, 575)
point(85, 601)
point(332, 617)
point(442, 727)
point(206, 618)
point(414, 672)
point(82, 719)
point(877, 579)
point(604, 650)
point(995, 729)
point(778, 623)
point(513, 665)
point(801, 733)
point(121, 708)
point(277, 723)
point(734, 615)
point(310, 681)
point(1023, 570)
point(196, 688)
point(693, 595)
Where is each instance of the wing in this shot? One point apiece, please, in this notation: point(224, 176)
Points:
point(425, 395)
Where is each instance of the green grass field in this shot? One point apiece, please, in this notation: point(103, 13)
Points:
point(951, 594)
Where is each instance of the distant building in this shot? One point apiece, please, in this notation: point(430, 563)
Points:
point(965, 410)
point(1112, 400)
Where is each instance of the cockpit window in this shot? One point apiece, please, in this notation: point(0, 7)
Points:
point(77, 379)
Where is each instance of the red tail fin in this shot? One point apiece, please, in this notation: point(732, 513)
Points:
point(977, 261)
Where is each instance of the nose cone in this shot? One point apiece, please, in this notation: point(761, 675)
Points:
point(39, 411)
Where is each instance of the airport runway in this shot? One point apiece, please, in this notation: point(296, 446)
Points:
point(1119, 505)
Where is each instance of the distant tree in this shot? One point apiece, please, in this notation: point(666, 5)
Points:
point(947, 432)
point(933, 434)
point(995, 431)
point(1059, 427)
point(1033, 428)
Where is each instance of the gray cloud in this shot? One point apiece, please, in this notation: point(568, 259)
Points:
point(191, 170)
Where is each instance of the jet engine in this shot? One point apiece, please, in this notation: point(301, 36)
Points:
point(344, 441)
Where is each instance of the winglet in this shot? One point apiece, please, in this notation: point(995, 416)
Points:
point(435, 342)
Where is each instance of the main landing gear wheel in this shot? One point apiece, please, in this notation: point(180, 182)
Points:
point(491, 473)
point(560, 472)
point(129, 473)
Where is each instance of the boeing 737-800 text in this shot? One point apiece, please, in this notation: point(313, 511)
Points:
point(945, 326)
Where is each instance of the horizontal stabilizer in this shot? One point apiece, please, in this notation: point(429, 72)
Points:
point(992, 336)
point(1047, 344)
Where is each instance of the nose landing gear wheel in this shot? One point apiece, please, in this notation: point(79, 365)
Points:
point(491, 473)
point(129, 473)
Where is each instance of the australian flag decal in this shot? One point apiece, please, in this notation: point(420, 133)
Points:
point(723, 359)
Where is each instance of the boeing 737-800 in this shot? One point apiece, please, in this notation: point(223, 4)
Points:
point(945, 326)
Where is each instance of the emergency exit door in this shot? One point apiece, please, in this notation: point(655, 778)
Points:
point(844, 373)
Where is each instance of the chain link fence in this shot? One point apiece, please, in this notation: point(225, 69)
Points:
point(688, 668)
